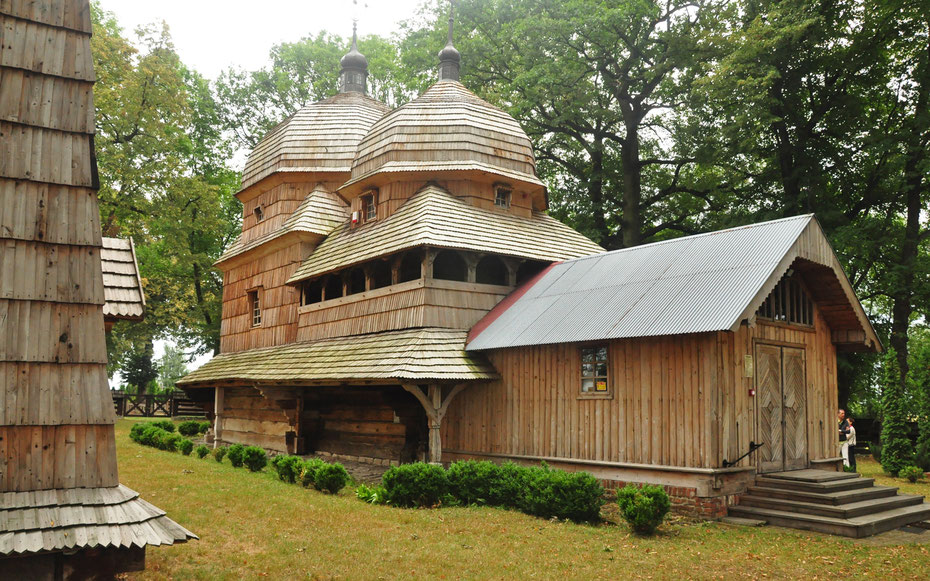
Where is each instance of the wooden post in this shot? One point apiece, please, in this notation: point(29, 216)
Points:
point(435, 406)
point(218, 413)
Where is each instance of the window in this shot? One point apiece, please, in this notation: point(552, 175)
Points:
point(355, 281)
point(369, 207)
point(332, 287)
point(502, 197)
point(259, 214)
point(379, 274)
point(788, 303)
point(411, 266)
point(594, 370)
point(255, 306)
point(313, 292)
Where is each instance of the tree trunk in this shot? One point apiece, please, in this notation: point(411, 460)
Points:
point(631, 222)
point(596, 193)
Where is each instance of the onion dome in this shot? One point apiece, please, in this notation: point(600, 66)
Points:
point(449, 58)
point(353, 74)
point(447, 131)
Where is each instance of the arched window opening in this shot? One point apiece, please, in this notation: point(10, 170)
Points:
point(379, 273)
point(492, 270)
point(333, 287)
point(411, 266)
point(313, 292)
point(356, 281)
point(449, 265)
point(529, 269)
point(788, 303)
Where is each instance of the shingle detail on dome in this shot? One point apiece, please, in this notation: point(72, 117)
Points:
point(448, 123)
point(321, 137)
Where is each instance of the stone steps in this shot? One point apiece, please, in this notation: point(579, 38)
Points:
point(836, 503)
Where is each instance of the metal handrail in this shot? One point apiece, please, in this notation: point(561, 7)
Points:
point(752, 448)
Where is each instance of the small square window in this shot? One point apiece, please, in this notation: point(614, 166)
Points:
point(255, 307)
point(369, 207)
point(594, 379)
point(502, 197)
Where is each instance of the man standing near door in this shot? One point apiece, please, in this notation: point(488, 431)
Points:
point(843, 424)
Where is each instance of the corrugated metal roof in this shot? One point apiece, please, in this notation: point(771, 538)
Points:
point(414, 354)
point(686, 285)
point(122, 287)
point(434, 217)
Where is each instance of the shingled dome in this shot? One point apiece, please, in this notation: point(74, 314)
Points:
point(448, 128)
point(321, 137)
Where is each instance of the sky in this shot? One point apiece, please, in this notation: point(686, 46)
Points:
point(212, 35)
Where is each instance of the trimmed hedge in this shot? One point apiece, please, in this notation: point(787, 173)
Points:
point(235, 454)
point(193, 427)
point(287, 467)
point(540, 491)
point(254, 458)
point(308, 471)
point(166, 425)
point(201, 451)
point(219, 453)
point(643, 508)
point(331, 478)
point(185, 447)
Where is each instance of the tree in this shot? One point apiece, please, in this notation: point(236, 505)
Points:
point(164, 181)
point(897, 448)
point(919, 380)
point(171, 367)
point(595, 84)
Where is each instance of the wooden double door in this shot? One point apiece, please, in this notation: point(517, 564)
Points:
point(781, 396)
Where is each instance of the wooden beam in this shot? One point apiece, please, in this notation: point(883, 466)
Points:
point(435, 406)
point(218, 413)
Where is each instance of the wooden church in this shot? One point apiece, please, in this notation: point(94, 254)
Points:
point(63, 512)
point(399, 293)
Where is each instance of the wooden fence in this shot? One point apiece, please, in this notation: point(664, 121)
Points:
point(167, 405)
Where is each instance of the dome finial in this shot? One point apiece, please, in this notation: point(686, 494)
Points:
point(449, 57)
point(353, 76)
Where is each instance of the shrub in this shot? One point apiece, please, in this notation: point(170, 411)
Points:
point(234, 453)
point(576, 496)
point(308, 471)
point(168, 441)
point(643, 508)
point(166, 425)
point(185, 447)
point(371, 495)
point(897, 448)
point(254, 458)
point(135, 433)
point(510, 485)
point(189, 428)
point(203, 427)
point(201, 451)
point(478, 483)
point(287, 467)
point(331, 478)
point(417, 484)
point(876, 449)
point(912, 473)
point(219, 452)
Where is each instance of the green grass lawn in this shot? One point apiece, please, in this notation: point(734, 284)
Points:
point(253, 526)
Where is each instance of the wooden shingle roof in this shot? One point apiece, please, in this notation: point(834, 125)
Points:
point(321, 137)
point(77, 518)
point(448, 124)
point(122, 286)
point(427, 354)
point(320, 213)
point(434, 217)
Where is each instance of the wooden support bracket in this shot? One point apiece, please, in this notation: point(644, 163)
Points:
point(436, 407)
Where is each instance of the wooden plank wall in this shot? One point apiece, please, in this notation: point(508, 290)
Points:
point(476, 192)
point(278, 203)
point(55, 407)
point(279, 301)
point(420, 303)
point(663, 408)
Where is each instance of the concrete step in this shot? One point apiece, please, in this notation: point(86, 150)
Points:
point(812, 475)
point(862, 526)
point(742, 522)
point(834, 498)
point(820, 487)
point(843, 511)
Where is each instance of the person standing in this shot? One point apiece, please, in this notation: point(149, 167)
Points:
point(849, 446)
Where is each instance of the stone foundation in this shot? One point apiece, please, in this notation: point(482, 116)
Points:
point(686, 502)
point(359, 459)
